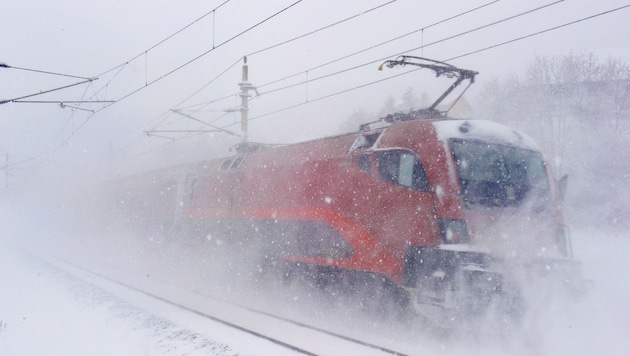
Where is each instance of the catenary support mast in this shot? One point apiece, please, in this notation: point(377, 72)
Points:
point(245, 86)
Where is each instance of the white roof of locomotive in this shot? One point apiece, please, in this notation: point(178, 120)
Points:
point(483, 130)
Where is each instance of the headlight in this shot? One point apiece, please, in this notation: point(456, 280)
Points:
point(453, 231)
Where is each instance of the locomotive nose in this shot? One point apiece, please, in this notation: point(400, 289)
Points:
point(518, 235)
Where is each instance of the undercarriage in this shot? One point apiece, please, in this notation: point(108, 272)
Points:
point(447, 286)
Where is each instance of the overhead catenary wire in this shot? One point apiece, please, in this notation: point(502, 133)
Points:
point(62, 101)
point(354, 53)
point(19, 99)
point(456, 57)
point(386, 42)
point(459, 56)
point(400, 52)
point(121, 66)
point(14, 100)
point(199, 90)
point(335, 94)
point(63, 128)
point(324, 28)
point(4, 65)
point(172, 71)
point(469, 53)
point(17, 163)
point(542, 31)
point(384, 58)
point(142, 53)
point(381, 59)
point(55, 149)
point(215, 46)
point(165, 115)
point(173, 141)
point(201, 55)
point(286, 42)
point(60, 132)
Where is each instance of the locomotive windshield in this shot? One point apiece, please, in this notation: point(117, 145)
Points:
point(495, 175)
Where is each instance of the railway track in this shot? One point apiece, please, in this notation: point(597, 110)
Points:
point(289, 335)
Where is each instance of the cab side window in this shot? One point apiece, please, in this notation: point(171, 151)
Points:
point(363, 161)
point(402, 167)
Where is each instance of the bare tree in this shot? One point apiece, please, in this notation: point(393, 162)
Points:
point(353, 121)
point(409, 101)
point(578, 108)
point(389, 107)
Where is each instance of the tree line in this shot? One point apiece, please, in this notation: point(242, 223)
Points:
point(577, 106)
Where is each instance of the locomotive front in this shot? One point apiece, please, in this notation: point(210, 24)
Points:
point(499, 214)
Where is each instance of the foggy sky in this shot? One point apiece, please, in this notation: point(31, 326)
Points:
point(88, 38)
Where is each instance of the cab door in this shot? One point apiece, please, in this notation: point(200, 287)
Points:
point(406, 208)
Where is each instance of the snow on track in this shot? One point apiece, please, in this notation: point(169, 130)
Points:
point(160, 320)
point(44, 311)
point(178, 305)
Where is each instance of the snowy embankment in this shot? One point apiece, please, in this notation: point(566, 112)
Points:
point(46, 312)
point(119, 320)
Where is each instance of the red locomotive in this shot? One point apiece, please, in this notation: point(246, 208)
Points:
point(435, 207)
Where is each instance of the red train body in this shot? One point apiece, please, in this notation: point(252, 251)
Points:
point(444, 210)
point(417, 203)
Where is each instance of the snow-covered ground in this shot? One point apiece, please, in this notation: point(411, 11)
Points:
point(46, 312)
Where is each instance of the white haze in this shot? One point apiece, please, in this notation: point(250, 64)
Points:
point(49, 316)
point(43, 210)
point(49, 217)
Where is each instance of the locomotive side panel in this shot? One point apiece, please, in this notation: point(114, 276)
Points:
point(212, 191)
point(327, 193)
point(398, 209)
point(392, 205)
point(145, 204)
